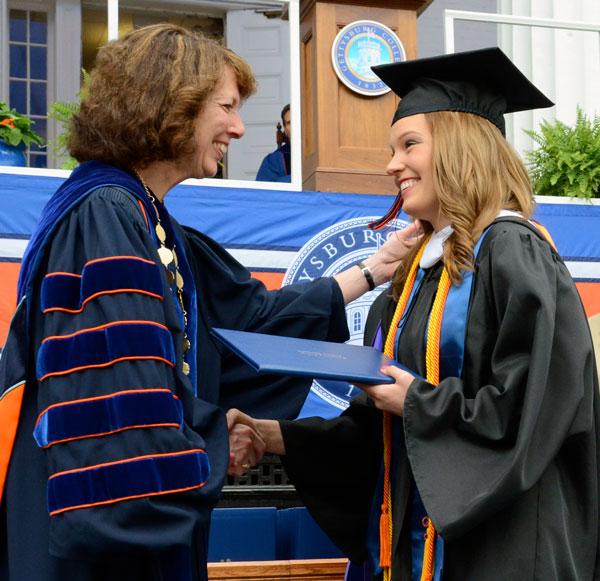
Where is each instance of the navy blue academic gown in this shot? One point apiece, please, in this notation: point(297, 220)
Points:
point(119, 457)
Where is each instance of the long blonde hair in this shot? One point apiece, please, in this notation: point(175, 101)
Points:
point(476, 174)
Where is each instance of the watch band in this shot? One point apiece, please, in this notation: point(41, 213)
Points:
point(367, 273)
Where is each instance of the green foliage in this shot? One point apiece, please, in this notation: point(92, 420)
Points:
point(16, 128)
point(566, 161)
point(63, 111)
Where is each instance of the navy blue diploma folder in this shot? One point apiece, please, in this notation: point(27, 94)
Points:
point(317, 359)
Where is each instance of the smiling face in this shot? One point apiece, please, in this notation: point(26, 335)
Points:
point(411, 165)
point(215, 126)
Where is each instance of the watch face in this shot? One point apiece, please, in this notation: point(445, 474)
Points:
point(359, 46)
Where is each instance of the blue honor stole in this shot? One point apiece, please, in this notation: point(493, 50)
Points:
point(452, 349)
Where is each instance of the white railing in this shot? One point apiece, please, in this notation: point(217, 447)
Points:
point(451, 15)
point(564, 69)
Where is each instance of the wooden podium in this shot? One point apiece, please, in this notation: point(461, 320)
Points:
point(345, 135)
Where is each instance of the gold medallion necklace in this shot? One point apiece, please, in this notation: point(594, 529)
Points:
point(168, 256)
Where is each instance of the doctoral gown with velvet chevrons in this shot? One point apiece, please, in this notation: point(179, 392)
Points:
point(505, 457)
point(114, 442)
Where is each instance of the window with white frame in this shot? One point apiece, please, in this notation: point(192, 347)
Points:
point(44, 44)
point(28, 73)
point(357, 325)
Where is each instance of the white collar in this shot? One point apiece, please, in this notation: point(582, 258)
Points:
point(435, 247)
point(509, 213)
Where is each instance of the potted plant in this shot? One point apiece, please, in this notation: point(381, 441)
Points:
point(15, 135)
point(567, 159)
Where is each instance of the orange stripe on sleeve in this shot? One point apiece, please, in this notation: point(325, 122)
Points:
point(144, 213)
point(119, 258)
point(127, 460)
point(62, 274)
point(107, 364)
point(102, 327)
point(101, 397)
point(98, 294)
point(133, 497)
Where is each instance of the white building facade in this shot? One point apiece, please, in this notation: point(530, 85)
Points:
point(45, 43)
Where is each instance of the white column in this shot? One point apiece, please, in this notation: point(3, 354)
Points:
point(64, 58)
point(113, 19)
point(67, 53)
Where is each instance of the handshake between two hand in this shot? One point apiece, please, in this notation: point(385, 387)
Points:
point(249, 439)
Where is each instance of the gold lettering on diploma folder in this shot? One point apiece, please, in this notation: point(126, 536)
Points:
point(321, 354)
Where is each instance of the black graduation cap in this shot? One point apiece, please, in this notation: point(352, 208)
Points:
point(484, 82)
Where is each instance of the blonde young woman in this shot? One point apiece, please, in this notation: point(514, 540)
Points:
point(481, 464)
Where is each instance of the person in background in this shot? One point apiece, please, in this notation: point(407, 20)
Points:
point(482, 461)
point(115, 443)
point(275, 167)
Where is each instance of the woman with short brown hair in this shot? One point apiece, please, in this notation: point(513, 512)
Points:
point(110, 352)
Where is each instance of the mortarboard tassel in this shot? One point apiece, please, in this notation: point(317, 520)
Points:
point(390, 215)
point(385, 550)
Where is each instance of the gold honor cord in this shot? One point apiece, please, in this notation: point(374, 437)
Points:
point(168, 256)
point(432, 362)
point(385, 522)
point(432, 359)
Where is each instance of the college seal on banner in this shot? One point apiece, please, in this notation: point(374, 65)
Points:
point(359, 46)
point(329, 252)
